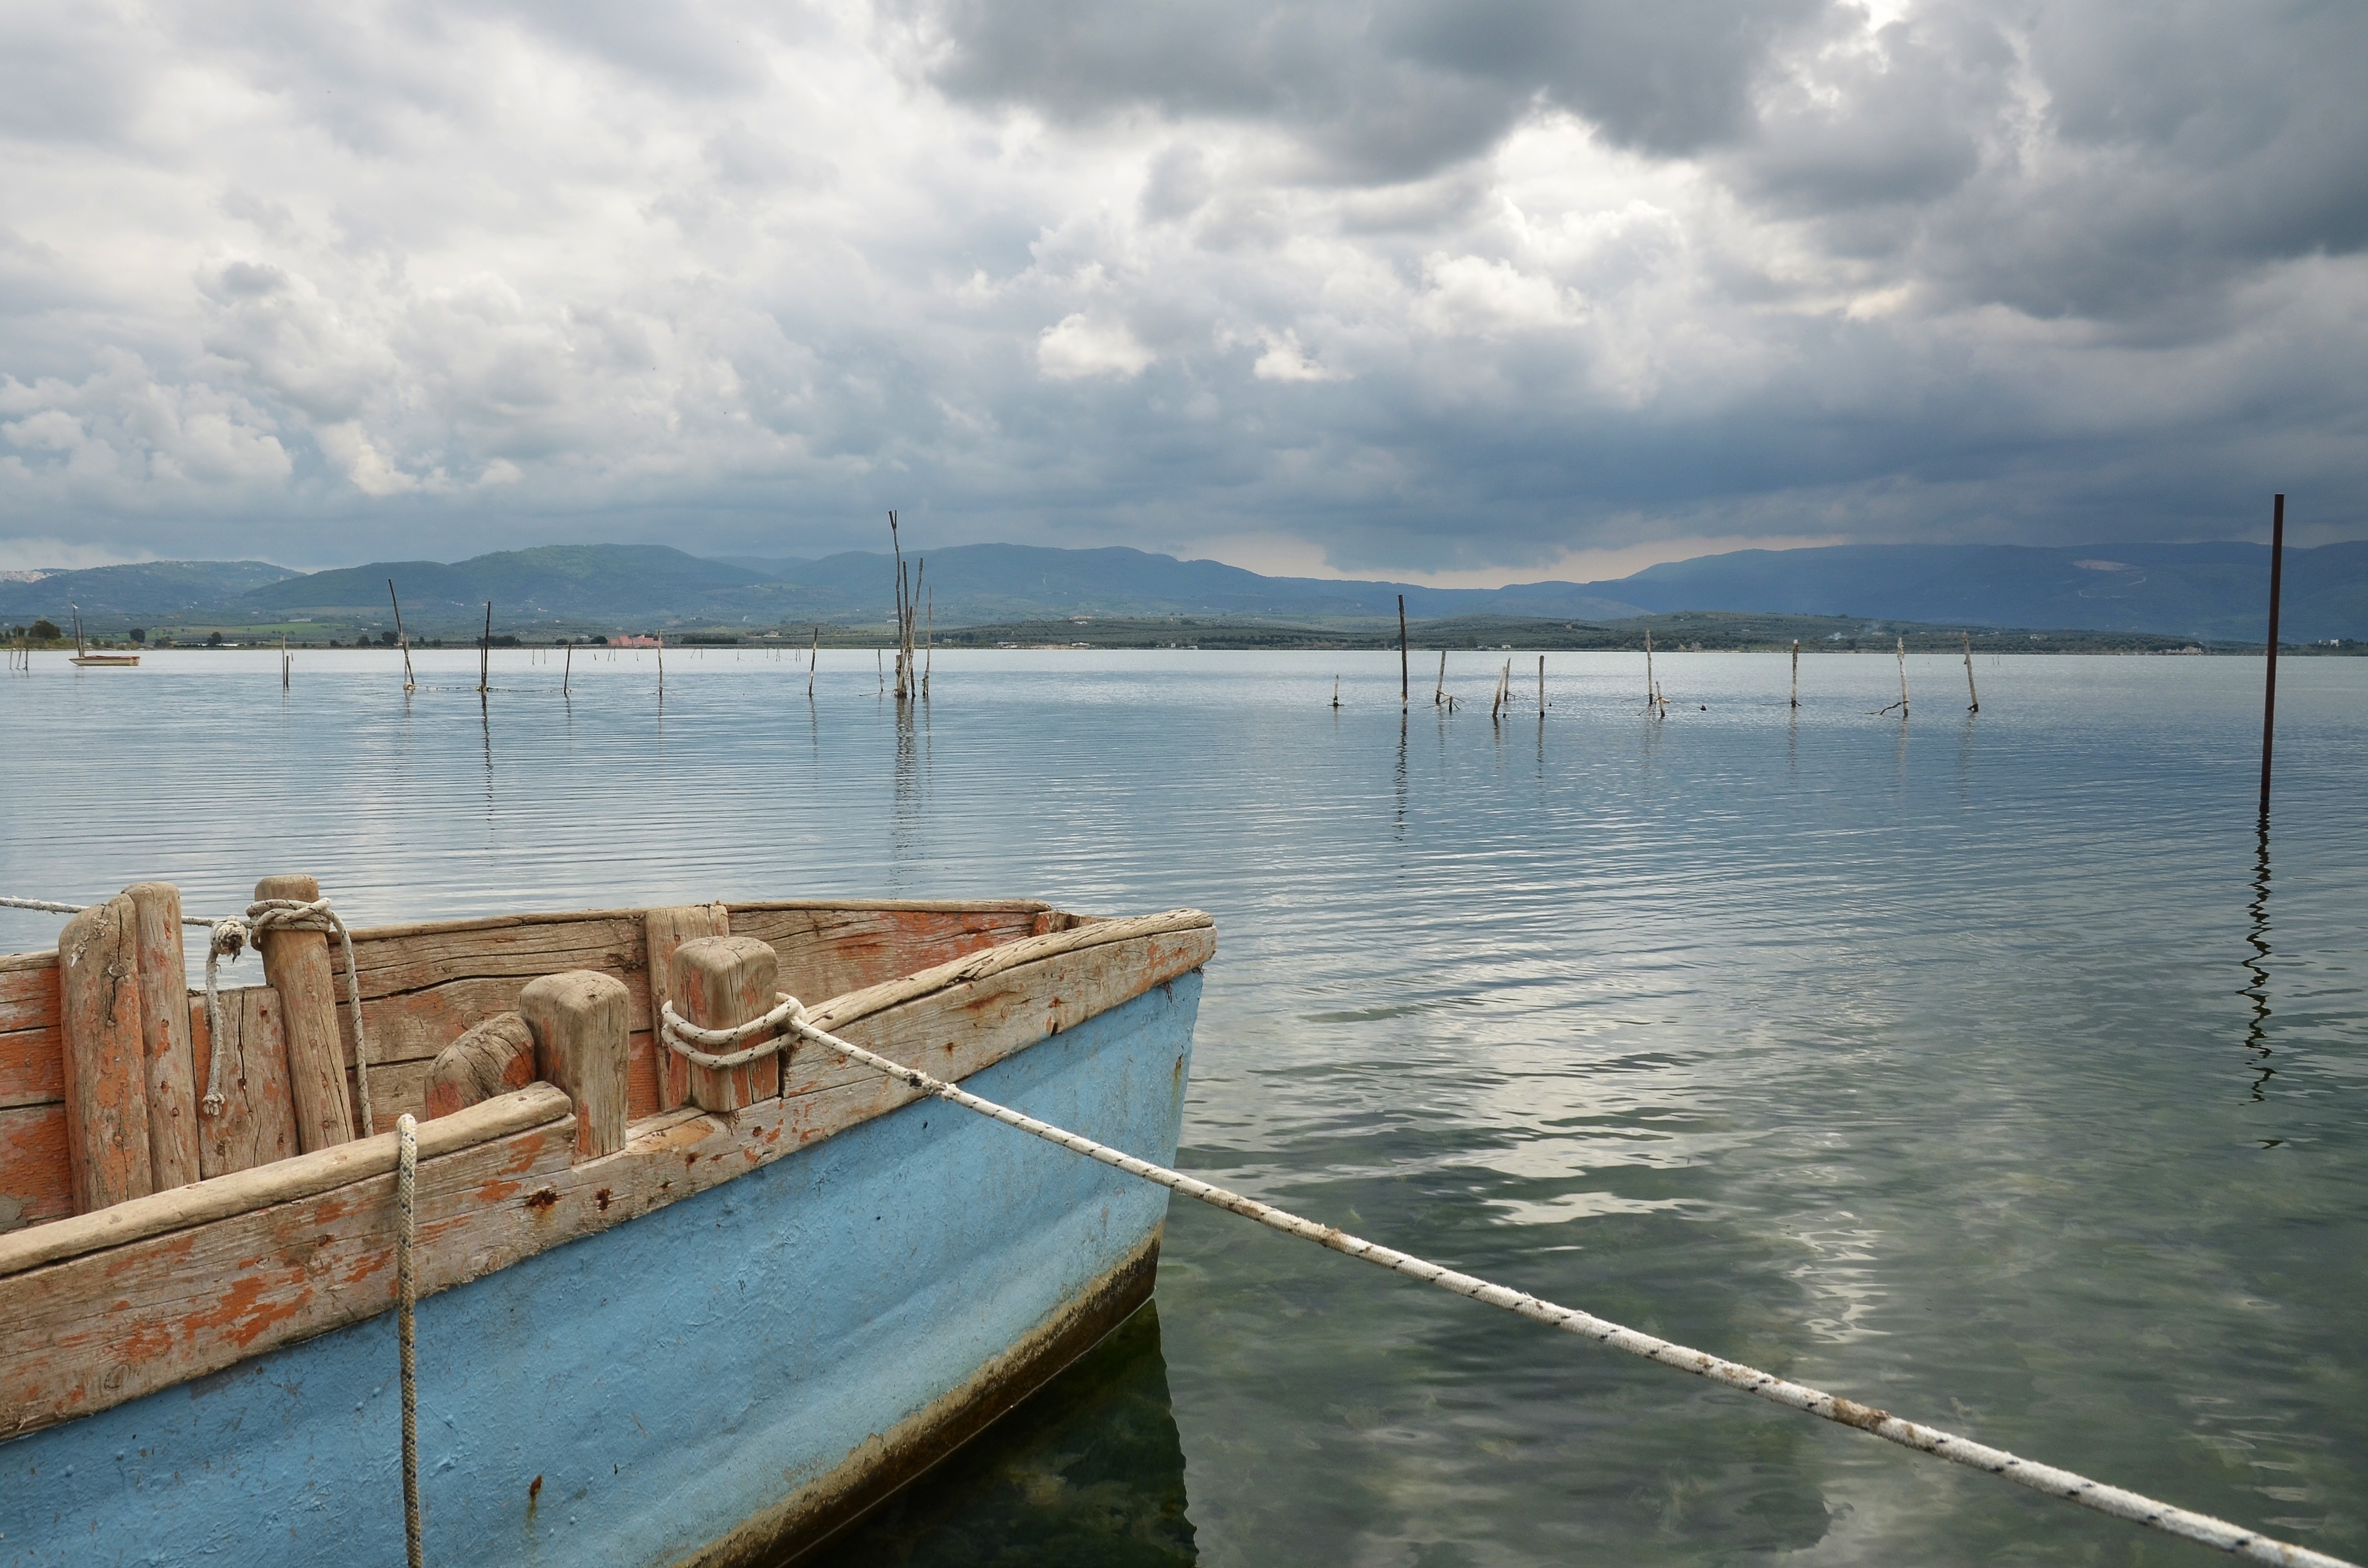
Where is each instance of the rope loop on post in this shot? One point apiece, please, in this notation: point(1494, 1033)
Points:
point(233, 934)
point(685, 1038)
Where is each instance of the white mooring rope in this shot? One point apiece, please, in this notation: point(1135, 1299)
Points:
point(406, 1235)
point(683, 1038)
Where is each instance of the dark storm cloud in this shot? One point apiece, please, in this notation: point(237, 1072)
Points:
point(1390, 90)
point(1407, 284)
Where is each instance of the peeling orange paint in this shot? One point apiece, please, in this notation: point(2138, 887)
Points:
point(246, 1311)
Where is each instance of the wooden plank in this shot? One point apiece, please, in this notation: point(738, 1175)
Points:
point(397, 1089)
point(296, 965)
point(195, 1300)
point(663, 931)
point(398, 960)
point(187, 1302)
point(33, 1042)
point(256, 1123)
point(165, 1035)
point(29, 991)
point(33, 1067)
point(106, 1081)
point(826, 950)
point(35, 1184)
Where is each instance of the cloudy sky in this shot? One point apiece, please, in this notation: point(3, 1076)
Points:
point(1469, 289)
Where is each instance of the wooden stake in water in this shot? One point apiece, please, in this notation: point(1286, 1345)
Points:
point(485, 651)
point(661, 666)
point(1402, 653)
point(1652, 692)
point(813, 658)
point(928, 643)
point(2270, 688)
point(1796, 672)
point(1541, 686)
point(1336, 691)
point(1974, 699)
point(1903, 677)
point(402, 639)
point(1440, 694)
point(567, 671)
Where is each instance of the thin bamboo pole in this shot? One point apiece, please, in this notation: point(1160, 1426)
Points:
point(1652, 692)
point(1541, 686)
point(1440, 694)
point(485, 652)
point(661, 666)
point(1336, 691)
point(567, 673)
point(1796, 672)
point(1974, 699)
point(813, 658)
point(928, 643)
point(1903, 677)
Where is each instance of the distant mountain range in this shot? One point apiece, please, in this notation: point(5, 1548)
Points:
point(2207, 591)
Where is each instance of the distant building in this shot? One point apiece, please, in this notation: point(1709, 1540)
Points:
point(633, 640)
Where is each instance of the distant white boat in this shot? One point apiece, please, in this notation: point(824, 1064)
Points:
point(85, 657)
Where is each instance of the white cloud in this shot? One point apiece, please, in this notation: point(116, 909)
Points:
point(1076, 346)
point(350, 447)
point(1285, 360)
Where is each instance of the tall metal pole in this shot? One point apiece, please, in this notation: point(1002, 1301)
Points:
point(2270, 690)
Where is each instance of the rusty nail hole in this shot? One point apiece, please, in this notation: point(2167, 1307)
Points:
point(534, 1488)
point(543, 1198)
point(601, 1198)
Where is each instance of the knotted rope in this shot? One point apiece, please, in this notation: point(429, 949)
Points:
point(406, 1234)
point(233, 934)
point(683, 1038)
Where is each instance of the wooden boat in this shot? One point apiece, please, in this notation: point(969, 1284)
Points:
point(667, 1316)
point(85, 657)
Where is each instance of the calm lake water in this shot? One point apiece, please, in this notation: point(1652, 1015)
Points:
point(1979, 1068)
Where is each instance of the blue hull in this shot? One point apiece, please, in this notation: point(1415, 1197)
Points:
point(718, 1380)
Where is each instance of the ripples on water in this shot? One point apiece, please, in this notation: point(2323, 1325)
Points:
point(1916, 1061)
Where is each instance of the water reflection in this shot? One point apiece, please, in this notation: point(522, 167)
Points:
point(2256, 990)
point(1090, 1471)
point(906, 830)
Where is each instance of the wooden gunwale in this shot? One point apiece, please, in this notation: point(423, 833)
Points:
point(282, 1181)
point(822, 906)
point(425, 982)
point(111, 1310)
